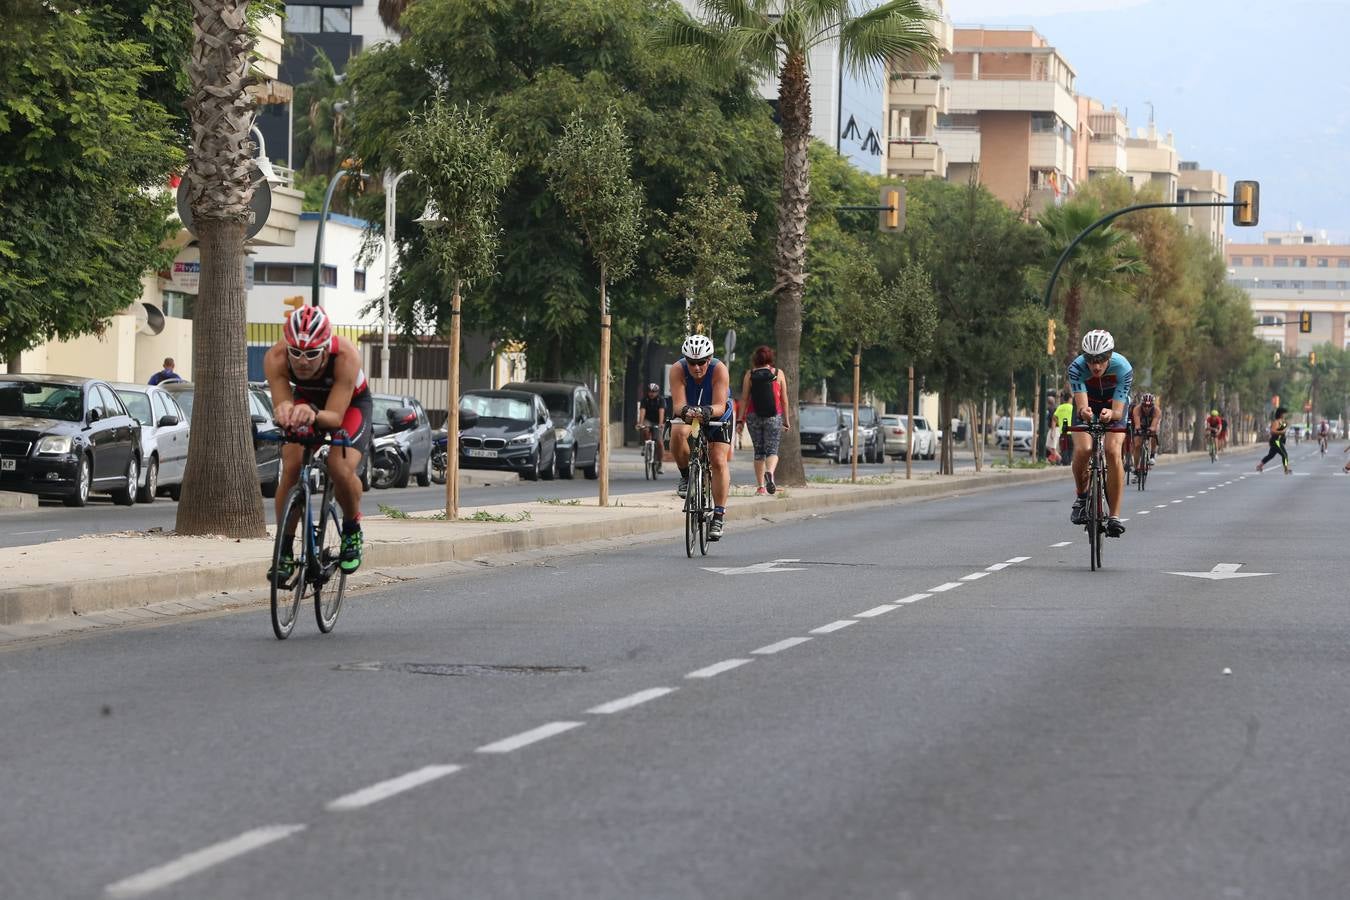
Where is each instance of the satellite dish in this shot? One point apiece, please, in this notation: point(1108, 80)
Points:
point(149, 318)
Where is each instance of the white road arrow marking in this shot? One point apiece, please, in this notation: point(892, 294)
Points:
point(1222, 572)
point(756, 569)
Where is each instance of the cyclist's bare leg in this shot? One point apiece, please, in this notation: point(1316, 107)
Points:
point(292, 455)
point(679, 445)
point(719, 455)
point(1082, 452)
point(342, 468)
point(1115, 469)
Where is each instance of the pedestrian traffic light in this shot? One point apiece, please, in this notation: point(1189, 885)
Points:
point(1247, 200)
point(1305, 322)
point(294, 303)
point(892, 212)
point(1050, 338)
point(1312, 358)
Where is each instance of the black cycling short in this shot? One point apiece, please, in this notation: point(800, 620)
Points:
point(356, 421)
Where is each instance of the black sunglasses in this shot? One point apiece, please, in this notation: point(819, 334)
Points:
point(698, 362)
point(1099, 358)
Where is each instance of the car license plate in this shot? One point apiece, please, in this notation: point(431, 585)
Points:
point(7, 465)
point(486, 454)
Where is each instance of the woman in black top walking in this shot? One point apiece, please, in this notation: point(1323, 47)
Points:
point(1277, 429)
point(763, 392)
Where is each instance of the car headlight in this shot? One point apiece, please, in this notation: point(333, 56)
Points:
point(560, 433)
point(523, 440)
point(830, 439)
point(55, 445)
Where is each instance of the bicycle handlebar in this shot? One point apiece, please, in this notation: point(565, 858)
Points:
point(1098, 427)
point(316, 439)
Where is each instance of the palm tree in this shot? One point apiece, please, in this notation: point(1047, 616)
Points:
point(391, 11)
point(777, 36)
point(220, 491)
point(318, 129)
point(1104, 260)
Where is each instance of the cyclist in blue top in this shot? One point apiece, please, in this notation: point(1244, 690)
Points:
point(700, 386)
point(1101, 381)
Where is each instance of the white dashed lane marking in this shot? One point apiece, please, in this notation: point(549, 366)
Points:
point(834, 626)
point(533, 736)
point(386, 789)
point(944, 587)
point(1018, 559)
point(974, 576)
point(1060, 544)
point(875, 611)
point(613, 706)
point(782, 645)
point(725, 665)
point(200, 861)
point(913, 598)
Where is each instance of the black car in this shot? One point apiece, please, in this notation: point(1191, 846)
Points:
point(820, 429)
point(576, 423)
point(266, 453)
point(64, 436)
point(513, 431)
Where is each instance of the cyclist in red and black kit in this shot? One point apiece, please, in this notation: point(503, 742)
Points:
point(317, 382)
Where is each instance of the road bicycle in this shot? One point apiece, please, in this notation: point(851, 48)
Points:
point(1145, 463)
point(309, 534)
point(651, 452)
point(1322, 444)
point(698, 504)
point(1212, 445)
point(1096, 505)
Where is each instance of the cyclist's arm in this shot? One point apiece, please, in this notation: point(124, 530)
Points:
point(279, 381)
point(340, 396)
point(677, 398)
point(745, 396)
point(721, 392)
point(1080, 406)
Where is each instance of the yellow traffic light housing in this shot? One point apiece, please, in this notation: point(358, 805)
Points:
point(892, 213)
point(294, 303)
point(1312, 357)
point(1305, 322)
point(1050, 338)
point(1247, 196)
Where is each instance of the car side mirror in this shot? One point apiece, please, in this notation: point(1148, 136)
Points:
point(402, 419)
point(256, 418)
point(94, 415)
point(167, 421)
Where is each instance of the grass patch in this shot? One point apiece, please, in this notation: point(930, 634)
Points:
point(393, 512)
point(1020, 464)
point(558, 501)
point(483, 515)
point(862, 479)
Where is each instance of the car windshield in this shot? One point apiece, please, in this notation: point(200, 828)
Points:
point(559, 404)
point(500, 408)
point(41, 400)
point(138, 405)
point(184, 399)
point(818, 417)
point(867, 415)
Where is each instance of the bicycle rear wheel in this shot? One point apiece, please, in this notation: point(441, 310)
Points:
point(1093, 511)
point(693, 516)
point(331, 585)
point(705, 507)
point(287, 592)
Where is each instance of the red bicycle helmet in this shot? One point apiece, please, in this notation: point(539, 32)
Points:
point(308, 328)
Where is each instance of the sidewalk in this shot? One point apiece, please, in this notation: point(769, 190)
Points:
point(114, 578)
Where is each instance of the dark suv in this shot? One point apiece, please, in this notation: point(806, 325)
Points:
point(576, 422)
point(820, 429)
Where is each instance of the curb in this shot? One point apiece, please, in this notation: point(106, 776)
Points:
point(14, 500)
point(22, 605)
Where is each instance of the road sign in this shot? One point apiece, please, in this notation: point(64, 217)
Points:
point(1222, 572)
point(764, 568)
point(259, 208)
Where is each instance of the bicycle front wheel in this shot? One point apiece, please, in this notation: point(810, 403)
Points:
point(693, 516)
point(331, 584)
point(706, 505)
point(287, 591)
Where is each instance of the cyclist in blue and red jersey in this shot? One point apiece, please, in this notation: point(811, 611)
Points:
point(700, 386)
point(1100, 380)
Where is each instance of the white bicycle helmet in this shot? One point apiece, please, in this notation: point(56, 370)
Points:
point(1095, 343)
point(697, 346)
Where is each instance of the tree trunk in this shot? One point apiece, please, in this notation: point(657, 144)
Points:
point(979, 414)
point(945, 414)
point(452, 401)
point(220, 486)
point(794, 107)
point(853, 445)
point(15, 366)
point(603, 462)
point(1012, 415)
point(909, 428)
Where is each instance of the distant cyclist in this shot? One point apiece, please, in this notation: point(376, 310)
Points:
point(651, 413)
point(1101, 380)
point(1323, 435)
point(700, 386)
point(1213, 425)
point(1146, 416)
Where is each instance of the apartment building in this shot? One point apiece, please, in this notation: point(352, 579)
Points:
point(1152, 161)
point(916, 95)
point(1197, 185)
point(1287, 275)
point(1013, 115)
point(1107, 132)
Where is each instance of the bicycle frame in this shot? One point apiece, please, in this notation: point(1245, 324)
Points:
point(1097, 488)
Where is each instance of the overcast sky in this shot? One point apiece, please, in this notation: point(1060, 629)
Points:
point(1251, 88)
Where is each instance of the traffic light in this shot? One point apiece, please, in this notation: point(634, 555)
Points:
point(1277, 359)
point(294, 303)
point(1050, 338)
point(1305, 322)
point(892, 213)
point(1312, 357)
point(1247, 197)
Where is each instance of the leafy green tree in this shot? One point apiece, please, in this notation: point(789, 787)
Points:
point(86, 149)
point(458, 156)
point(777, 36)
point(590, 172)
point(704, 247)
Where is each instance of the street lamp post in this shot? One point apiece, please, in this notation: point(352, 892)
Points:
point(390, 211)
point(318, 236)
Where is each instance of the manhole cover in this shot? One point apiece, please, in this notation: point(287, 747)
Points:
point(457, 669)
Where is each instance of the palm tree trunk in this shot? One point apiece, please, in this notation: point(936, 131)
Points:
point(1073, 314)
point(220, 486)
point(794, 202)
point(602, 463)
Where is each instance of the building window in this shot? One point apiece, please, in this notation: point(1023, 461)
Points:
point(1269, 319)
point(1300, 262)
point(1323, 262)
point(1235, 261)
point(359, 280)
point(303, 19)
point(337, 20)
point(1343, 263)
point(1282, 261)
point(292, 274)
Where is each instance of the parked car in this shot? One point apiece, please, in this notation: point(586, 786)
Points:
point(64, 436)
point(872, 449)
point(576, 423)
point(514, 431)
point(897, 437)
point(818, 428)
point(1021, 436)
point(164, 439)
point(411, 437)
point(266, 453)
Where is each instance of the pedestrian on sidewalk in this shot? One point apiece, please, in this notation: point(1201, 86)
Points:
point(166, 374)
point(1278, 427)
point(1063, 419)
point(763, 393)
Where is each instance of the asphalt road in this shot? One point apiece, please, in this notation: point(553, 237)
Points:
point(933, 700)
point(53, 521)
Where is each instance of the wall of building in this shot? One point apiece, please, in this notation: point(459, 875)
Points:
point(1005, 155)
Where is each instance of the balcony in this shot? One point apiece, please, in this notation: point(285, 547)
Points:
point(284, 220)
point(1009, 94)
point(960, 143)
point(920, 158)
point(918, 92)
point(1050, 151)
